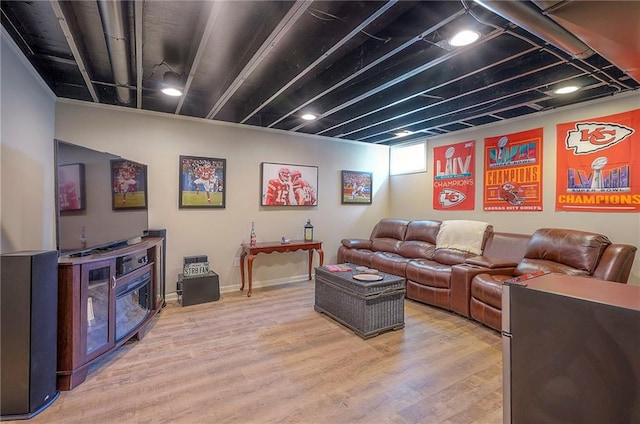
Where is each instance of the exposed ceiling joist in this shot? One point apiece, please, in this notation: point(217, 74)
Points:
point(365, 67)
point(69, 28)
point(200, 50)
point(296, 11)
point(138, 19)
point(319, 60)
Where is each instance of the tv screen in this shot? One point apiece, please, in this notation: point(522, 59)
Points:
point(93, 190)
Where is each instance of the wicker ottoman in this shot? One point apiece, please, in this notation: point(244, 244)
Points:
point(367, 308)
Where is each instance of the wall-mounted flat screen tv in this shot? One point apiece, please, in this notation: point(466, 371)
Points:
point(88, 188)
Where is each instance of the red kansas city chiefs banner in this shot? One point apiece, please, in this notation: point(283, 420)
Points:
point(599, 164)
point(513, 172)
point(454, 177)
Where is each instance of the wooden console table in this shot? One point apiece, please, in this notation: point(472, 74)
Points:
point(270, 247)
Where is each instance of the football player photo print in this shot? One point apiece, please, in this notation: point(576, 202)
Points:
point(129, 184)
point(202, 182)
point(289, 185)
point(356, 187)
point(71, 187)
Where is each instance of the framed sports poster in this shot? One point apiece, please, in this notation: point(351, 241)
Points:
point(513, 172)
point(599, 164)
point(454, 176)
point(71, 187)
point(202, 182)
point(356, 187)
point(129, 185)
point(289, 185)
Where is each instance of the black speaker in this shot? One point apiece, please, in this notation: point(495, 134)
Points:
point(28, 333)
point(200, 289)
point(163, 282)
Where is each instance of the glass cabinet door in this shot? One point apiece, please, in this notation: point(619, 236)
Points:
point(97, 306)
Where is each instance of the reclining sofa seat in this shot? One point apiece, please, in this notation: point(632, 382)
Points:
point(429, 279)
point(410, 249)
point(502, 253)
point(419, 242)
point(562, 251)
point(386, 236)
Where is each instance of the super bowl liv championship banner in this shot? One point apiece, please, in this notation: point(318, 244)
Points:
point(454, 177)
point(599, 164)
point(513, 172)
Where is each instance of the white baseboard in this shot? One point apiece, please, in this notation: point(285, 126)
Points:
point(256, 285)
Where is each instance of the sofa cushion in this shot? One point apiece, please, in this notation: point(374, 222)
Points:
point(486, 314)
point(434, 296)
point(390, 228)
point(420, 239)
point(388, 262)
point(488, 289)
point(462, 235)
point(358, 256)
point(575, 249)
point(415, 249)
point(528, 266)
point(386, 245)
point(429, 273)
point(426, 230)
point(451, 256)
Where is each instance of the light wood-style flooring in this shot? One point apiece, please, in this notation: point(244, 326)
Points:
point(272, 358)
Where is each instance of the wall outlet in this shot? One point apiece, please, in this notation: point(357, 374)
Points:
point(236, 261)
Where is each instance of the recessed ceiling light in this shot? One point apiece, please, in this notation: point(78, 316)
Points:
point(308, 116)
point(171, 84)
point(464, 38)
point(403, 133)
point(566, 89)
point(171, 91)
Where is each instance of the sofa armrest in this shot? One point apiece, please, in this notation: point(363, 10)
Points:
point(356, 243)
point(615, 263)
point(489, 262)
point(461, 276)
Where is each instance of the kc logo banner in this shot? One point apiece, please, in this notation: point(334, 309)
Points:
point(599, 164)
point(588, 137)
point(454, 177)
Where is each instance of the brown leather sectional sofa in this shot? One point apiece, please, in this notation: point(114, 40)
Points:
point(469, 282)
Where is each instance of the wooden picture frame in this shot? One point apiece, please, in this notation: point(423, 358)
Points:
point(71, 187)
point(357, 187)
point(286, 184)
point(128, 184)
point(202, 182)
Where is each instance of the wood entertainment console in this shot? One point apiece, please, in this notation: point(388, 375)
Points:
point(105, 299)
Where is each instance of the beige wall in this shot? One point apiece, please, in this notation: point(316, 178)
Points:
point(27, 213)
point(159, 139)
point(27, 201)
point(411, 195)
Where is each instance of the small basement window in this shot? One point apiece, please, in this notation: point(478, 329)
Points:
point(408, 158)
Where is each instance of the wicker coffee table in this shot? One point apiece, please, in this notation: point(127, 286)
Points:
point(366, 307)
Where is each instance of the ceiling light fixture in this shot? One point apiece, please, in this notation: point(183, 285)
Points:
point(566, 89)
point(171, 84)
point(403, 133)
point(308, 117)
point(464, 38)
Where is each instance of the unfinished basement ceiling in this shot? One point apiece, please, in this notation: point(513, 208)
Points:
point(367, 69)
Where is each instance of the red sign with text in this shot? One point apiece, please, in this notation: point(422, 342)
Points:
point(599, 164)
point(513, 172)
point(454, 177)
